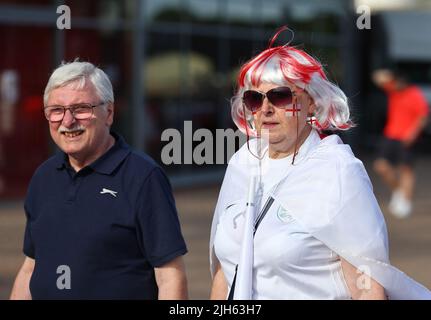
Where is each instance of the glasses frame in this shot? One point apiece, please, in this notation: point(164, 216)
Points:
point(72, 109)
point(265, 95)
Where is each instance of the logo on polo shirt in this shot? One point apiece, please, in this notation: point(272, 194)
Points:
point(283, 215)
point(111, 192)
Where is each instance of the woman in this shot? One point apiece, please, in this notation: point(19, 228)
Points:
point(296, 216)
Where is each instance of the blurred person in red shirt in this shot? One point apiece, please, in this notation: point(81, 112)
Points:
point(406, 118)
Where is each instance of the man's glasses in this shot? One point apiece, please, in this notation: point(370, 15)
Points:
point(280, 97)
point(80, 111)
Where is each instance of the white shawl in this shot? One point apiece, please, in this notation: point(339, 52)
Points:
point(339, 209)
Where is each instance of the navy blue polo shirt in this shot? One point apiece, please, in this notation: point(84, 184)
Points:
point(110, 224)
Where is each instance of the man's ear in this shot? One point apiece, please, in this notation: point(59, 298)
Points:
point(110, 110)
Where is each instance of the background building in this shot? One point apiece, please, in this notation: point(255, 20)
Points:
point(169, 61)
point(173, 61)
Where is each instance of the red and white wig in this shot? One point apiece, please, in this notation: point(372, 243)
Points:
point(286, 65)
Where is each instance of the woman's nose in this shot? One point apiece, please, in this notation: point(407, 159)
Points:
point(267, 107)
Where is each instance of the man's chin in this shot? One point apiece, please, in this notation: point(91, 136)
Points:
point(72, 151)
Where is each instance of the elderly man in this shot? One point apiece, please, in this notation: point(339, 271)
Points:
point(101, 218)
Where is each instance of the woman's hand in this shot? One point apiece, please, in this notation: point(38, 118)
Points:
point(219, 286)
point(361, 286)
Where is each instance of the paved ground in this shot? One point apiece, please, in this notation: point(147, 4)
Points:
point(410, 239)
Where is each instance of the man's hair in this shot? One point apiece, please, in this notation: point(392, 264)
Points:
point(401, 75)
point(78, 72)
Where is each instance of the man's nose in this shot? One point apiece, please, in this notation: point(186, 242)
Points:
point(68, 118)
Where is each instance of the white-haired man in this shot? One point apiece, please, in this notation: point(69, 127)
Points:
point(101, 218)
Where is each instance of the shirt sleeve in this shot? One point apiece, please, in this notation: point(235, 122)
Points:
point(158, 225)
point(28, 247)
point(420, 104)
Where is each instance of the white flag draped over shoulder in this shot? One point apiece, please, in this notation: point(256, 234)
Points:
point(329, 193)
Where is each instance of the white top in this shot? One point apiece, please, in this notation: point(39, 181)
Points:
point(289, 263)
point(324, 209)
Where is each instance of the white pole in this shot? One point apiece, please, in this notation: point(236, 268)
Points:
point(244, 280)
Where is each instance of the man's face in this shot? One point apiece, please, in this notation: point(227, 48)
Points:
point(80, 139)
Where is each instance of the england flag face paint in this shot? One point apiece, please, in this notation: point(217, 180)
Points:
point(293, 110)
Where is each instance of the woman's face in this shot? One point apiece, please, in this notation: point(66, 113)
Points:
point(283, 128)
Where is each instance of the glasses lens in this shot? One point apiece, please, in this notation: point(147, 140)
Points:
point(252, 100)
point(280, 97)
point(54, 113)
point(82, 111)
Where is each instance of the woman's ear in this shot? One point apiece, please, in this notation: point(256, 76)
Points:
point(251, 122)
point(311, 107)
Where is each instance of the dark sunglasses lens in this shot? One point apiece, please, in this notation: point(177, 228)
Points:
point(280, 97)
point(252, 100)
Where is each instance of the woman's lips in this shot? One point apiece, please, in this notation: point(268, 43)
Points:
point(269, 125)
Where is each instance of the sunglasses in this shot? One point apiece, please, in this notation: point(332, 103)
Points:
point(280, 97)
